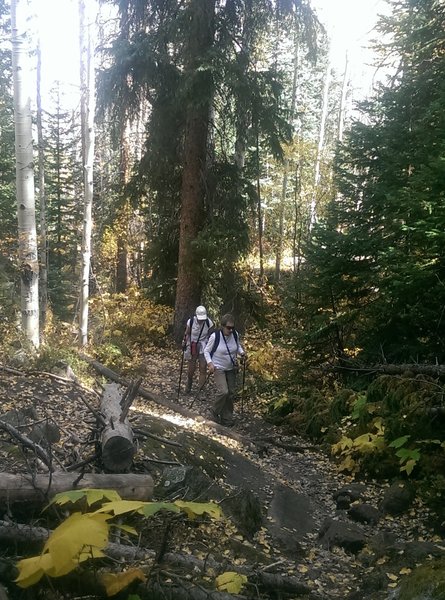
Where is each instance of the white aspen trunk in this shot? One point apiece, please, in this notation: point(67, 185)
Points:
point(279, 246)
point(344, 91)
point(43, 250)
point(324, 113)
point(27, 234)
point(87, 122)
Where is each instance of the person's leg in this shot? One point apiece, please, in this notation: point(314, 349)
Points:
point(227, 414)
point(190, 372)
point(202, 371)
point(221, 393)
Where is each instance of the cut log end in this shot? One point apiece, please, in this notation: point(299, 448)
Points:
point(117, 454)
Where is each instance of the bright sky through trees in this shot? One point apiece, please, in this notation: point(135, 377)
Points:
point(351, 27)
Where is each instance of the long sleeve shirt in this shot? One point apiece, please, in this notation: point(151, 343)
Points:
point(224, 354)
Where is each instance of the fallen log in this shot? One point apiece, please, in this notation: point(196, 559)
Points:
point(38, 489)
point(173, 407)
point(392, 369)
point(117, 443)
point(14, 533)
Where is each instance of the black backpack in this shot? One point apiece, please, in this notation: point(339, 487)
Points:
point(218, 337)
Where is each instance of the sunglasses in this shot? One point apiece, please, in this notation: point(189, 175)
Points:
point(229, 326)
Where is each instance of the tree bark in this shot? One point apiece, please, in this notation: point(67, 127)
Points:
point(87, 125)
point(43, 249)
point(27, 233)
point(38, 489)
point(189, 284)
point(117, 436)
point(321, 136)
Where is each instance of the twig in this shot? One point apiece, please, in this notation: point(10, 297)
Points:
point(163, 462)
point(25, 441)
point(157, 437)
point(97, 414)
point(128, 398)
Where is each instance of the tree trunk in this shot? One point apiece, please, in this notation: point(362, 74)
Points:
point(38, 489)
point(43, 250)
point(282, 207)
point(188, 287)
point(321, 134)
point(27, 234)
point(117, 437)
point(122, 229)
point(87, 125)
point(342, 109)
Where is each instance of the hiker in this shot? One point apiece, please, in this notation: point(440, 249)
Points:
point(221, 355)
point(196, 336)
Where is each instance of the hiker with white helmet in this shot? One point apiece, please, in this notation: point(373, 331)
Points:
point(196, 335)
point(221, 354)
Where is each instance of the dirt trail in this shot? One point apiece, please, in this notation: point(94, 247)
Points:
point(297, 490)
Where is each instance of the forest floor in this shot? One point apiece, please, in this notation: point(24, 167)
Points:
point(288, 485)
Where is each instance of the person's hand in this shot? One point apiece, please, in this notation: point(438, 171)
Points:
point(243, 359)
point(211, 367)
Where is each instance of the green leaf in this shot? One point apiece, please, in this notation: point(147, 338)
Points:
point(399, 441)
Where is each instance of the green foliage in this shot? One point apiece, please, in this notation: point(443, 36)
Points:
point(372, 282)
point(426, 581)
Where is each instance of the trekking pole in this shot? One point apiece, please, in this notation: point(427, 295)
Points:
point(180, 374)
point(199, 391)
point(243, 388)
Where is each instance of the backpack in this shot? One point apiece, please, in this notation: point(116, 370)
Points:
point(218, 337)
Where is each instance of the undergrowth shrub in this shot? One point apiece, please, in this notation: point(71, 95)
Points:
point(124, 326)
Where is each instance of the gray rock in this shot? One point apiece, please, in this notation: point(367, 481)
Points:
point(45, 433)
point(246, 511)
point(419, 551)
point(16, 418)
point(188, 483)
point(348, 494)
point(348, 536)
point(364, 513)
point(398, 498)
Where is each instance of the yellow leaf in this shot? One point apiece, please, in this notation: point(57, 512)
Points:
point(405, 571)
point(91, 496)
point(349, 464)
point(392, 577)
point(76, 535)
point(302, 569)
point(115, 582)
point(32, 569)
point(230, 582)
point(121, 507)
point(192, 509)
point(126, 528)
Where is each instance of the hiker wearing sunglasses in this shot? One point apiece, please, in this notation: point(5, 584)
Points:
point(196, 335)
point(221, 354)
